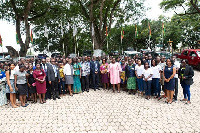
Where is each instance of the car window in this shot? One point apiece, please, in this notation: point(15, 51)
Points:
point(192, 53)
point(185, 52)
point(198, 53)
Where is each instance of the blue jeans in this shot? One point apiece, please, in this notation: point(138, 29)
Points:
point(186, 90)
point(156, 86)
point(61, 87)
point(147, 87)
point(140, 84)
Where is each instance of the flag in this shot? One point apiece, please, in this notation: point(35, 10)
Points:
point(122, 33)
point(149, 30)
point(31, 37)
point(136, 31)
point(163, 29)
point(1, 41)
point(17, 38)
point(107, 36)
point(74, 30)
point(106, 31)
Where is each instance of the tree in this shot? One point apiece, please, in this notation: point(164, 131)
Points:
point(99, 14)
point(190, 7)
point(22, 13)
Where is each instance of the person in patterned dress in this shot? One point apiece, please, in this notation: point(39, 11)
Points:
point(130, 77)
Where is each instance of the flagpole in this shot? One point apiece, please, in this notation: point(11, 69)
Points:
point(2, 51)
point(75, 43)
point(107, 44)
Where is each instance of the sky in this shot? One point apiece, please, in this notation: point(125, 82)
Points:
point(8, 32)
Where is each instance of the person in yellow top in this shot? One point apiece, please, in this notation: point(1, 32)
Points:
point(61, 85)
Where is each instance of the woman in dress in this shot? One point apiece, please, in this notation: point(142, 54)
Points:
point(147, 80)
point(77, 76)
point(31, 84)
point(40, 82)
point(130, 77)
point(169, 85)
point(21, 84)
point(156, 78)
point(138, 72)
point(104, 74)
point(3, 99)
point(68, 72)
point(114, 70)
point(10, 86)
point(186, 73)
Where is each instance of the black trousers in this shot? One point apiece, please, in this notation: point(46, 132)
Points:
point(96, 80)
point(48, 87)
point(54, 88)
point(176, 89)
point(85, 82)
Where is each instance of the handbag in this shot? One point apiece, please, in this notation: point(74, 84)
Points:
point(33, 84)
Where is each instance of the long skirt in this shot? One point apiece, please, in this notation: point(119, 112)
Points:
point(131, 83)
point(77, 84)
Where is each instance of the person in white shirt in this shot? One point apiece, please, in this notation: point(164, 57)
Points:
point(177, 66)
point(156, 78)
point(147, 77)
point(68, 72)
point(138, 72)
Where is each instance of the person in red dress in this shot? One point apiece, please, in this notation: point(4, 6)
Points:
point(40, 78)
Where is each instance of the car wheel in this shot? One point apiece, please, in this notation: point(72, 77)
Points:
point(198, 66)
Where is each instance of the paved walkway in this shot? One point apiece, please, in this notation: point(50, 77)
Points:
point(102, 111)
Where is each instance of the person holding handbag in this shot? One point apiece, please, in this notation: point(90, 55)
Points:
point(31, 84)
point(186, 73)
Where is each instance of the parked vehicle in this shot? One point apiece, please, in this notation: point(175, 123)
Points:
point(72, 55)
point(42, 56)
point(98, 52)
point(56, 55)
point(114, 53)
point(193, 57)
point(132, 53)
point(163, 53)
point(87, 53)
point(30, 56)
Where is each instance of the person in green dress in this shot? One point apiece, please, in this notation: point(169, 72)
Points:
point(77, 76)
point(130, 77)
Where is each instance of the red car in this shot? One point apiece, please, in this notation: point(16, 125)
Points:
point(193, 57)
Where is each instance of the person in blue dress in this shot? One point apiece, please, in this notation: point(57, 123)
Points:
point(3, 99)
point(169, 85)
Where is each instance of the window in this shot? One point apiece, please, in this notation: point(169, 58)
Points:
point(185, 52)
point(198, 52)
point(192, 53)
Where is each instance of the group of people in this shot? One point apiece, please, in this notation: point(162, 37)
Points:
point(52, 78)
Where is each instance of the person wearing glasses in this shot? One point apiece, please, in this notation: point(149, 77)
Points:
point(53, 78)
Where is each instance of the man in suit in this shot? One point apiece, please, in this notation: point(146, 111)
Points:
point(95, 71)
point(45, 67)
point(53, 78)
